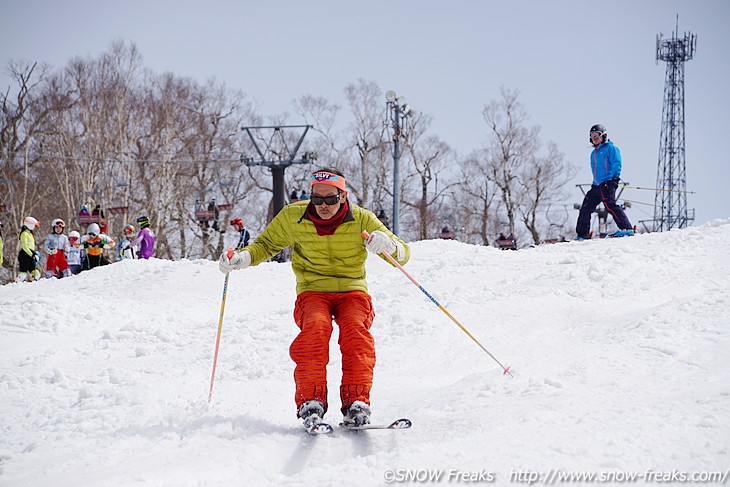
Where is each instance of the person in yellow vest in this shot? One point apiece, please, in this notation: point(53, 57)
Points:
point(95, 243)
point(28, 256)
point(328, 259)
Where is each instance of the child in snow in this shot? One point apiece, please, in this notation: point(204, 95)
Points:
point(145, 240)
point(244, 234)
point(56, 246)
point(75, 253)
point(28, 257)
point(95, 242)
point(125, 248)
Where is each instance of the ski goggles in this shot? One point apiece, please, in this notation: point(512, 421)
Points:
point(327, 200)
point(324, 177)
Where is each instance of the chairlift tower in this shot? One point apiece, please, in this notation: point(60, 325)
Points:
point(275, 153)
point(670, 199)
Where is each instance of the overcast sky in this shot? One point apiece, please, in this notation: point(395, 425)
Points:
point(575, 63)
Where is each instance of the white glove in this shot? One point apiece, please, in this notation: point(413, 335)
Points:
point(238, 260)
point(379, 242)
point(52, 251)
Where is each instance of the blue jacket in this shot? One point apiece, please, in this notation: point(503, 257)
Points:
point(605, 163)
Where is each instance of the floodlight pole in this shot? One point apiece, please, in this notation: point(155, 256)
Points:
point(396, 172)
point(398, 112)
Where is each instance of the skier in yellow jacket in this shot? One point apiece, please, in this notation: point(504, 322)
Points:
point(328, 259)
point(28, 257)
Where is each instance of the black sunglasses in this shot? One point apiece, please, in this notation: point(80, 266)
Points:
point(328, 200)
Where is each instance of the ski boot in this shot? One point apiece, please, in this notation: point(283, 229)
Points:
point(311, 412)
point(356, 414)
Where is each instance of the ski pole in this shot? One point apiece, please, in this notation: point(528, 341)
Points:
point(366, 235)
point(220, 328)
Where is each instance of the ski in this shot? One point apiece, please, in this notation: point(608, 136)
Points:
point(398, 424)
point(319, 428)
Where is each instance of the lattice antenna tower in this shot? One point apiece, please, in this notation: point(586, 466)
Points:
point(671, 182)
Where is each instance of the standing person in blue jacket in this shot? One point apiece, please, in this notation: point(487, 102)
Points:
point(606, 168)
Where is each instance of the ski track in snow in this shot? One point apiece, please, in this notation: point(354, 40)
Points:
point(618, 349)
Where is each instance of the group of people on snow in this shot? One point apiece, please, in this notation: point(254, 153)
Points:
point(330, 238)
point(70, 254)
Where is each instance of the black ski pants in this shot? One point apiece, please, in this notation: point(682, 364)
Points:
point(603, 193)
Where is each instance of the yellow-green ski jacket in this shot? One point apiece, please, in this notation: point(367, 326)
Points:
point(330, 263)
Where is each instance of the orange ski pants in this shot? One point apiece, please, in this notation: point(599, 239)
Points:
point(313, 314)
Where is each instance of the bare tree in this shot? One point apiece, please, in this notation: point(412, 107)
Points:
point(526, 178)
point(366, 135)
point(478, 192)
point(541, 182)
point(22, 116)
point(510, 147)
point(429, 157)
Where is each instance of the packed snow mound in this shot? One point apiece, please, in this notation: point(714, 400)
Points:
point(618, 349)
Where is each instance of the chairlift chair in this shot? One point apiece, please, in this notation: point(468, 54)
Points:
point(86, 220)
point(507, 244)
point(203, 214)
point(116, 210)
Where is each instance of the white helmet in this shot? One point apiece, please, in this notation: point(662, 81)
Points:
point(74, 234)
point(58, 223)
point(93, 229)
point(30, 223)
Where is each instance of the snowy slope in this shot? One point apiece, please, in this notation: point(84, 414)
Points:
point(619, 350)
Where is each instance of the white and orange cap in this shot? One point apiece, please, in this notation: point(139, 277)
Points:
point(328, 178)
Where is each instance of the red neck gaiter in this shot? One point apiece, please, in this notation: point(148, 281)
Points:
point(327, 227)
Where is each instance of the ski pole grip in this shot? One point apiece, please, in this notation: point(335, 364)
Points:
point(229, 253)
point(365, 234)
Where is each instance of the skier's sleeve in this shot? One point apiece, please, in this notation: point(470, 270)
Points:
point(616, 163)
point(107, 242)
point(138, 239)
point(246, 237)
point(372, 223)
point(47, 245)
point(275, 237)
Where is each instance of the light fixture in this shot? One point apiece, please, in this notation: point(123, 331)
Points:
point(401, 101)
point(390, 95)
